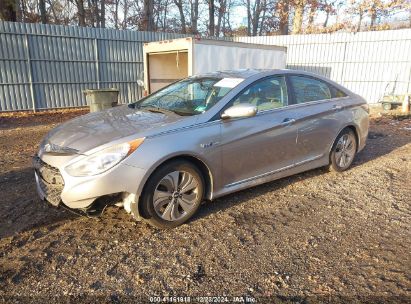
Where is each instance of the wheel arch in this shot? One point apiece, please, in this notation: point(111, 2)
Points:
point(351, 127)
point(201, 165)
point(196, 161)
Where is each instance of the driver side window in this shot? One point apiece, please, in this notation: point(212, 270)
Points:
point(267, 94)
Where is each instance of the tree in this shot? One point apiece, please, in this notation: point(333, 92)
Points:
point(43, 12)
point(57, 12)
point(8, 10)
point(329, 8)
point(81, 13)
point(194, 16)
point(283, 8)
point(359, 9)
point(115, 18)
point(240, 31)
point(148, 18)
point(211, 22)
point(255, 13)
point(161, 13)
point(126, 18)
point(220, 15)
point(326, 6)
point(102, 13)
point(299, 6)
point(227, 29)
point(407, 5)
point(374, 8)
point(179, 4)
point(401, 6)
point(92, 13)
point(210, 17)
point(379, 9)
point(314, 4)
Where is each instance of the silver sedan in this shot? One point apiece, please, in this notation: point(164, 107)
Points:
point(199, 139)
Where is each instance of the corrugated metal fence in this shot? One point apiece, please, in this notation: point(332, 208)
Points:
point(46, 66)
point(369, 63)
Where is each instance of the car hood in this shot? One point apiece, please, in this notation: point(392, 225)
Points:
point(86, 132)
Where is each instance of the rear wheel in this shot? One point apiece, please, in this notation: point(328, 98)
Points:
point(386, 106)
point(172, 194)
point(343, 151)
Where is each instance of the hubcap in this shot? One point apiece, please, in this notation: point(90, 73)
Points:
point(175, 195)
point(345, 150)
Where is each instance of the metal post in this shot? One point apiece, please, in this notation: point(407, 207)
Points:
point(97, 62)
point(406, 104)
point(343, 64)
point(30, 73)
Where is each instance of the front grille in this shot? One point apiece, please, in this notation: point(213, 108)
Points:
point(50, 181)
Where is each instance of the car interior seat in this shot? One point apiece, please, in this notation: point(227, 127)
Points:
point(311, 92)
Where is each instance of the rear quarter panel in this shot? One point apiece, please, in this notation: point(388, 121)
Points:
point(356, 110)
point(354, 113)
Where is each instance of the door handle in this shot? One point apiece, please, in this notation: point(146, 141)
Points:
point(288, 121)
point(337, 107)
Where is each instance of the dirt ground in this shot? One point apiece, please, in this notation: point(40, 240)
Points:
point(313, 237)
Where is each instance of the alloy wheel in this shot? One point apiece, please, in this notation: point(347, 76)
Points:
point(175, 195)
point(345, 150)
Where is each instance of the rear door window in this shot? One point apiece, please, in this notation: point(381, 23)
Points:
point(337, 93)
point(308, 89)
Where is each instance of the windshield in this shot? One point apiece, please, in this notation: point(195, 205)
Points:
point(190, 96)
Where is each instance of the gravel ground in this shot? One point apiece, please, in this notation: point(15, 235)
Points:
point(316, 236)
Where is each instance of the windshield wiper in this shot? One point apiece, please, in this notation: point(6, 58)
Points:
point(158, 109)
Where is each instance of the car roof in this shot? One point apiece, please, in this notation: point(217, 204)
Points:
point(240, 73)
point(246, 73)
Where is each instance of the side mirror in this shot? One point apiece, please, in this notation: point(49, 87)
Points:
point(241, 110)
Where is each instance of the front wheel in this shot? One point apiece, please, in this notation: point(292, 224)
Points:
point(343, 151)
point(172, 194)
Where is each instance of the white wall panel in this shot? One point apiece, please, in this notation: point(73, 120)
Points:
point(365, 62)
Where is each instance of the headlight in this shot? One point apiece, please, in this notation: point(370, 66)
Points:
point(103, 160)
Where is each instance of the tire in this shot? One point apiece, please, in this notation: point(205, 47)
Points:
point(343, 151)
point(386, 106)
point(172, 194)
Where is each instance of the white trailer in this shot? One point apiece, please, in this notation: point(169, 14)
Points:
point(170, 60)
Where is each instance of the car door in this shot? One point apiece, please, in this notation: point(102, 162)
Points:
point(318, 113)
point(261, 144)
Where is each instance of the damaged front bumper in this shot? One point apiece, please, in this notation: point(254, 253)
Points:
point(56, 187)
point(50, 183)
